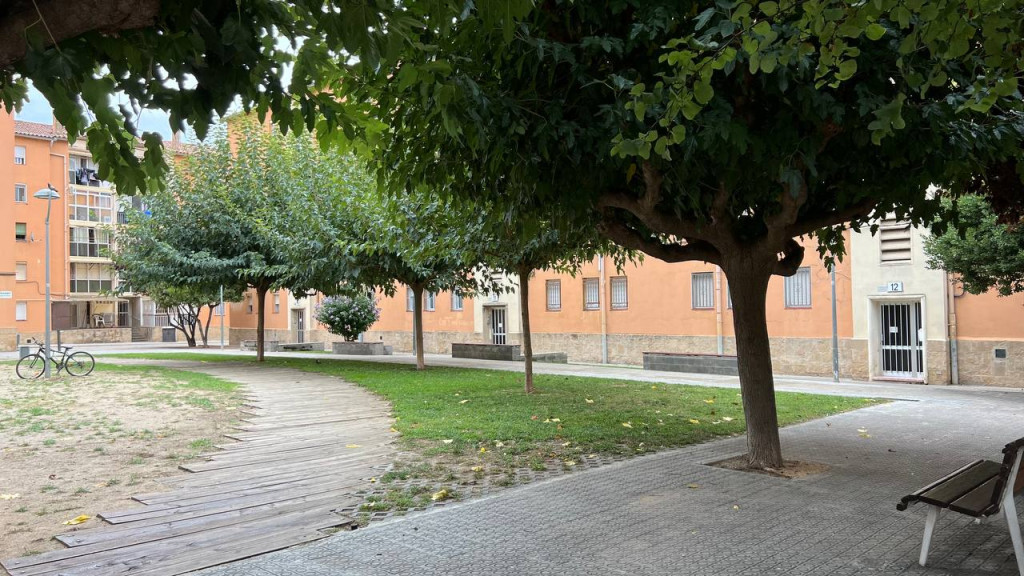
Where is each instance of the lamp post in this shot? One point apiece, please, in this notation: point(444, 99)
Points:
point(49, 194)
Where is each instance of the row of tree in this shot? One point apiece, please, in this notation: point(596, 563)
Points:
point(253, 209)
point(714, 130)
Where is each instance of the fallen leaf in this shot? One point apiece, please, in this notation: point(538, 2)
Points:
point(726, 419)
point(654, 387)
point(372, 480)
point(717, 422)
point(499, 444)
point(591, 455)
point(736, 507)
point(709, 401)
point(627, 425)
point(9, 496)
point(457, 394)
point(483, 449)
point(393, 429)
point(693, 421)
point(692, 486)
point(863, 433)
point(556, 419)
point(566, 443)
point(477, 468)
point(463, 401)
point(448, 441)
point(351, 445)
point(441, 494)
point(534, 417)
point(570, 462)
point(588, 400)
point(77, 520)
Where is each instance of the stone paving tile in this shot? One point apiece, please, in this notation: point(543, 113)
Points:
point(639, 517)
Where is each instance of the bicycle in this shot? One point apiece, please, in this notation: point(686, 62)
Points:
point(79, 363)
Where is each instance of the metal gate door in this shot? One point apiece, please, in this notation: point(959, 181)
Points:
point(902, 335)
point(498, 325)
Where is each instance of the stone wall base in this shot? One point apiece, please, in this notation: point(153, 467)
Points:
point(979, 366)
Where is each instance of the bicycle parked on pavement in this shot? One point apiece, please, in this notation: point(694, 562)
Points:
point(79, 363)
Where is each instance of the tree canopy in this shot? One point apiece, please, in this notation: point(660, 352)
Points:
point(709, 131)
point(983, 253)
point(196, 60)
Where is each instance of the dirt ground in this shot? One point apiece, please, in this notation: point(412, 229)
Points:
point(80, 446)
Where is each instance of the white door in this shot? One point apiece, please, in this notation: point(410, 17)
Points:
point(300, 325)
point(902, 340)
point(498, 330)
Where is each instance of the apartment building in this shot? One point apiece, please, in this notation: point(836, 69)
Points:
point(82, 221)
point(895, 318)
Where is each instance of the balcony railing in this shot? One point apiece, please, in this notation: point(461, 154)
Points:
point(89, 250)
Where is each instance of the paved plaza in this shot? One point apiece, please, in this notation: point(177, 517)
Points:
point(669, 513)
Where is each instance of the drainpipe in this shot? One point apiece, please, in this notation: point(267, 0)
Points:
point(835, 327)
point(951, 331)
point(601, 299)
point(719, 330)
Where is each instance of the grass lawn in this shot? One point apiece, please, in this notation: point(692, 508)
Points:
point(458, 410)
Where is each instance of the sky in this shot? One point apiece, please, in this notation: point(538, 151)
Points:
point(36, 109)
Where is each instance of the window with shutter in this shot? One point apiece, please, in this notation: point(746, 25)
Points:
point(553, 289)
point(620, 296)
point(798, 289)
point(702, 290)
point(591, 294)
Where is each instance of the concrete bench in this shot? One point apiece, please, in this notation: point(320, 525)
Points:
point(693, 363)
point(982, 489)
point(303, 346)
point(505, 352)
point(268, 345)
point(361, 348)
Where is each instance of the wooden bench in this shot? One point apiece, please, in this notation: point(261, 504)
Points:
point(982, 489)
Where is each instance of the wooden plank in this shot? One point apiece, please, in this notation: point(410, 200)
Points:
point(977, 500)
point(957, 486)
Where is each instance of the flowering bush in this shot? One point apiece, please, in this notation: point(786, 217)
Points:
point(347, 316)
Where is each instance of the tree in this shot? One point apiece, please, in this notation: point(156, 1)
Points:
point(540, 241)
point(983, 253)
point(195, 60)
point(162, 253)
point(709, 131)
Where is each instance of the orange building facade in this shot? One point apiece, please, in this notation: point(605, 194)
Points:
point(894, 318)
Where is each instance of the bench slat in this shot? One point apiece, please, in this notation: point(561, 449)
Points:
point(977, 501)
point(957, 486)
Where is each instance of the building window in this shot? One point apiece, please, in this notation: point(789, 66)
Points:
point(19, 155)
point(456, 300)
point(91, 278)
point(20, 193)
point(702, 290)
point(277, 303)
point(90, 206)
point(798, 289)
point(20, 231)
point(21, 311)
point(431, 300)
point(218, 310)
point(894, 241)
point(728, 296)
point(21, 271)
point(620, 297)
point(248, 303)
point(591, 294)
point(553, 289)
point(410, 300)
point(89, 242)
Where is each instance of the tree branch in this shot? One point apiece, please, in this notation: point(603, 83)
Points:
point(58, 20)
point(814, 222)
point(627, 237)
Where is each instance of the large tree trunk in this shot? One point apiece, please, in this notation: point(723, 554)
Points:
point(748, 287)
point(417, 325)
point(524, 307)
point(261, 309)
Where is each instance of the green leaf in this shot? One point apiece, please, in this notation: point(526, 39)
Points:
point(874, 31)
point(769, 8)
point(703, 92)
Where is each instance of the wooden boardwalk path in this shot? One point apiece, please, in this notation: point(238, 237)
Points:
point(307, 441)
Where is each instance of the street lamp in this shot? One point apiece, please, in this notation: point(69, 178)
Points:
point(49, 193)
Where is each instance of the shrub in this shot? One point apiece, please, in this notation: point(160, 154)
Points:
point(348, 316)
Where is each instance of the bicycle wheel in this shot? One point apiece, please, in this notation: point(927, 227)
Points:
point(31, 367)
point(80, 364)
